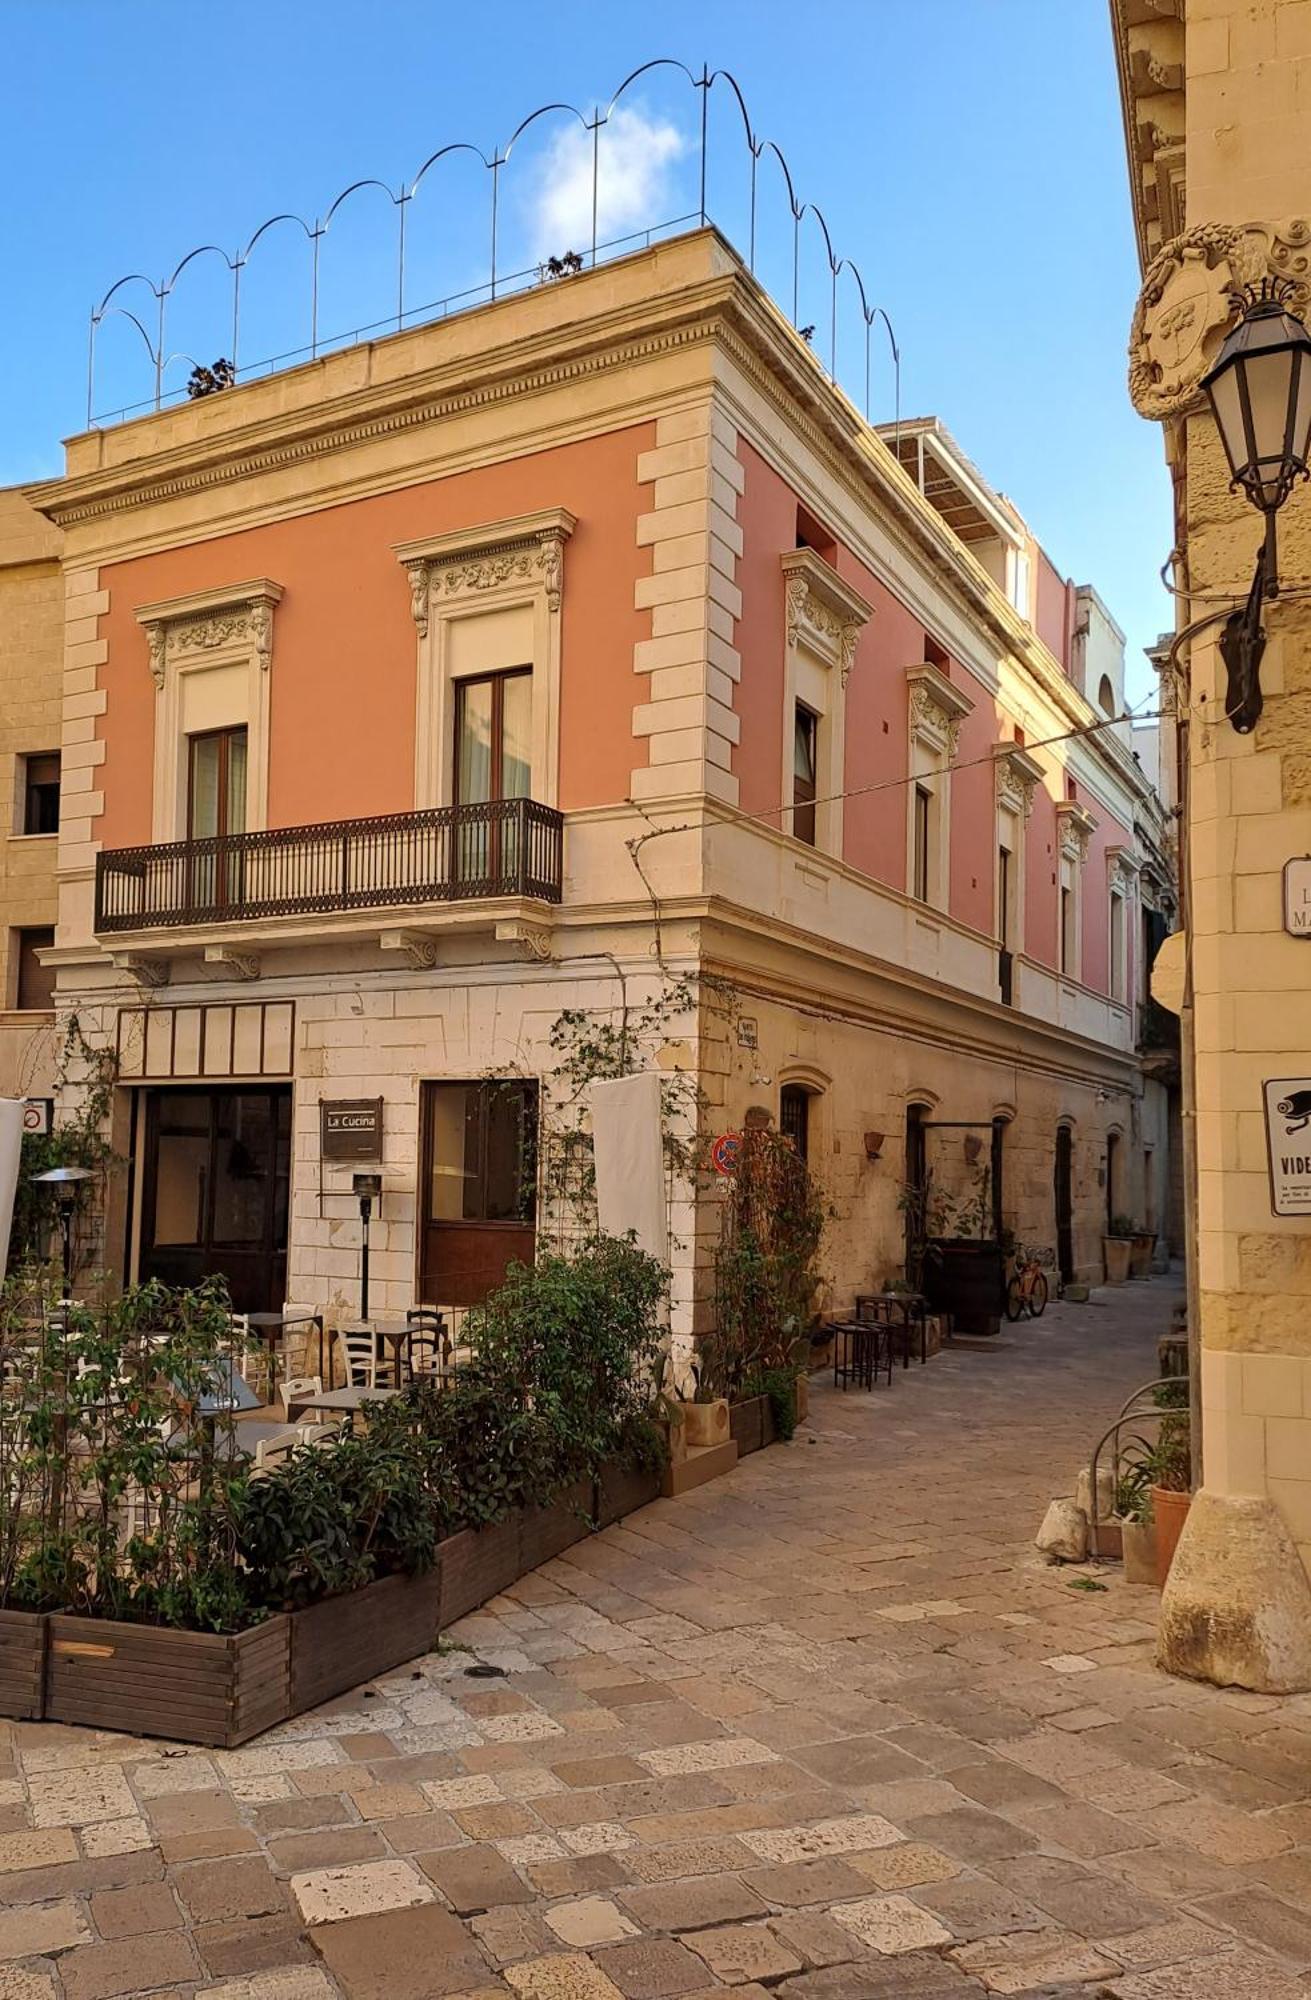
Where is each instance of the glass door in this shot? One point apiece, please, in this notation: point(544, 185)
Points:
point(216, 812)
point(493, 762)
point(216, 1190)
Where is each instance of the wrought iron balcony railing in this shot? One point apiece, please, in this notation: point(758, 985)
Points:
point(509, 847)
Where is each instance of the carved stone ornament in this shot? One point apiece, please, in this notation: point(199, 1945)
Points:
point(1076, 826)
point(1017, 779)
point(419, 947)
point(937, 709)
point(822, 610)
point(149, 973)
point(533, 939)
point(528, 550)
point(241, 617)
point(1189, 301)
point(240, 964)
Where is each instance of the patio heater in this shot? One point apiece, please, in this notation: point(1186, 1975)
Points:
point(368, 1187)
point(65, 1181)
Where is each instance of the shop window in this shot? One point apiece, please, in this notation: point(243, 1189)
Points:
point(40, 792)
point(805, 766)
point(36, 982)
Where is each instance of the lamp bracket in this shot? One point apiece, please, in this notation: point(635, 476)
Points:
point(1242, 645)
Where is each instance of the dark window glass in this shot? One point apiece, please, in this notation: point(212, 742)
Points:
point(483, 1152)
point(805, 755)
point(36, 982)
point(919, 887)
point(794, 1116)
point(1067, 930)
point(41, 793)
point(1004, 895)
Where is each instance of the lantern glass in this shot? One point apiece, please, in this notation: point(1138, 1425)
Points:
point(1260, 391)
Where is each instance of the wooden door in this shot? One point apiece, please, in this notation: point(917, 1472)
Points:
point(1064, 1195)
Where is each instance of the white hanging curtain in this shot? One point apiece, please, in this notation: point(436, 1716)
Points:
point(11, 1145)
point(630, 1166)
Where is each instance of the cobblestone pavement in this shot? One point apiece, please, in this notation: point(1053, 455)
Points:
point(825, 1727)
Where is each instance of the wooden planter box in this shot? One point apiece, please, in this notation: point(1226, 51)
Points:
point(752, 1424)
point(22, 1664)
point(345, 1640)
point(148, 1680)
point(621, 1490)
point(475, 1564)
point(548, 1531)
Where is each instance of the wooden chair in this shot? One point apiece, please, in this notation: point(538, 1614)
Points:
point(271, 1452)
point(293, 1386)
point(361, 1352)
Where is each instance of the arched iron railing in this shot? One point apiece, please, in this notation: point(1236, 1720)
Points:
point(161, 293)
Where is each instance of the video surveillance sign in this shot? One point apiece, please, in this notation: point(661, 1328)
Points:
point(1288, 1140)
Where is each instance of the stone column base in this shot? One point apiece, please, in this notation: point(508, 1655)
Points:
point(1237, 1605)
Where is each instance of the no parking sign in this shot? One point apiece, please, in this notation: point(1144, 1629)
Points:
point(725, 1152)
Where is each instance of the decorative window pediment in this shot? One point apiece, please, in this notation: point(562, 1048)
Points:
point(525, 550)
point(1123, 867)
point(237, 617)
point(1076, 826)
point(822, 610)
point(937, 709)
point(1018, 777)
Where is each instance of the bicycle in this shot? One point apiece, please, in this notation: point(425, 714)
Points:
point(1027, 1289)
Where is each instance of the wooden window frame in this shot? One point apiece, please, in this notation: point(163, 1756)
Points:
point(497, 683)
point(805, 790)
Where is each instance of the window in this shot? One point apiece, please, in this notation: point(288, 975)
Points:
point(1020, 582)
point(805, 764)
point(1106, 696)
point(1067, 929)
point(216, 812)
point(811, 535)
point(1117, 946)
point(216, 783)
point(36, 982)
point(921, 841)
point(493, 737)
point(41, 792)
point(1004, 896)
point(794, 1116)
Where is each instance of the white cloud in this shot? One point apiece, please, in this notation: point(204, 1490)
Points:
point(633, 185)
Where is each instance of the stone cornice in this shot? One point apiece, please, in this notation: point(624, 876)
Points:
point(1017, 776)
point(205, 619)
point(1075, 827)
point(718, 305)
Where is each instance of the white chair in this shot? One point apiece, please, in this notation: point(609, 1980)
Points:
point(361, 1351)
point(321, 1434)
point(271, 1452)
point(293, 1387)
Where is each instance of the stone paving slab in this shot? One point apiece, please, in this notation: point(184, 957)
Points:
point(825, 1729)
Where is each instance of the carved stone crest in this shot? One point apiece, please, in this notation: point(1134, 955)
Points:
point(1187, 303)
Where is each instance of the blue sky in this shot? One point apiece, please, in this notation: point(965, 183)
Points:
point(968, 156)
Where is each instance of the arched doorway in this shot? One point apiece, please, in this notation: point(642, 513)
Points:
point(916, 1189)
point(1063, 1188)
point(1113, 1203)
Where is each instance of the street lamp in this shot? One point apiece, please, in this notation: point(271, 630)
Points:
point(1260, 396)
point(65, 1181)
point(369, 1189)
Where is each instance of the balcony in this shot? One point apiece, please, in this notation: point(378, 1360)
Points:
point(507, 849)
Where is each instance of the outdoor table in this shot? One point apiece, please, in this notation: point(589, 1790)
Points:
point(270, 1326)
point(899, 1312)
point(345, 1402)
point(247, 1436)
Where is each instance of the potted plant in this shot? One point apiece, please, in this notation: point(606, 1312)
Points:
point(1169, 1469)
point(1137, 1529)
point(1140, 1255)
point(1117, 1249)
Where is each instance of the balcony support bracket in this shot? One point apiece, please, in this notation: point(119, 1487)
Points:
point(533, 939)
point(420, 947)
point(240, 964)
point(149, 973)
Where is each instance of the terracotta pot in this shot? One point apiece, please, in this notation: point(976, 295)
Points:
point(1117, 1253)
point(1140, 1255)
point(1138, 1539)
point(1169, 1511)
point(705, 1423)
